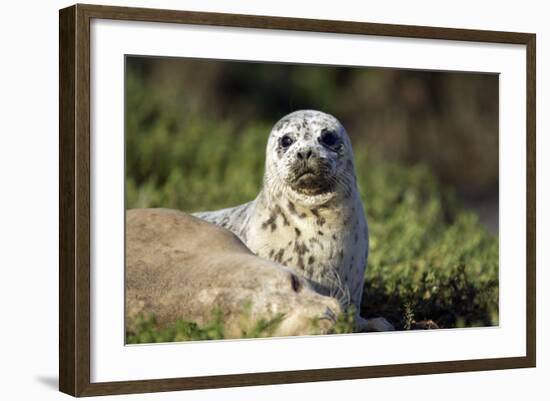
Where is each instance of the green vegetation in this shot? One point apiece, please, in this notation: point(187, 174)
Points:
point(429, 258)
point(147, 331)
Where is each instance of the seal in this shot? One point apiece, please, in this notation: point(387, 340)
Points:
point(308, 215)
point(171, 275)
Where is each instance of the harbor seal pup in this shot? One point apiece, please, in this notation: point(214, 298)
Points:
point(308, 214)
point(180, 267)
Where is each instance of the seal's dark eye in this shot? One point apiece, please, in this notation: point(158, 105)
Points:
point(286, 141)
point(329, 138)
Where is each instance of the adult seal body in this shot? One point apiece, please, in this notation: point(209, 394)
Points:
point(308, 215)
point(171, 275)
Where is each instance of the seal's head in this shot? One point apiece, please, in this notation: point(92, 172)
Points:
point(309, 158)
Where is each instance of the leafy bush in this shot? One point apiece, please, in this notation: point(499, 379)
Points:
point(429, 258)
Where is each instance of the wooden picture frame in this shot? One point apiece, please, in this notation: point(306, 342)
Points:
point(74, 204)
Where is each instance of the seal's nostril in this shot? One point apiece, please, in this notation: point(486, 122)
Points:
point(304, 154)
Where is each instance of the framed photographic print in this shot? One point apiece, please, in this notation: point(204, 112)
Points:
point(250, 200)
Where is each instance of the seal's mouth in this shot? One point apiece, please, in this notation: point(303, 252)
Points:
point(311, 181)
point(306, 174)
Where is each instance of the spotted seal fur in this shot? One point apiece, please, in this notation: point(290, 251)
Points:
point(308, 214)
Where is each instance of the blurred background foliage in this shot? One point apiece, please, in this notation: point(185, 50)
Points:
point(426, 150)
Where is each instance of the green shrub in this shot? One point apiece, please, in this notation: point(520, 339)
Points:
point(429, 259)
